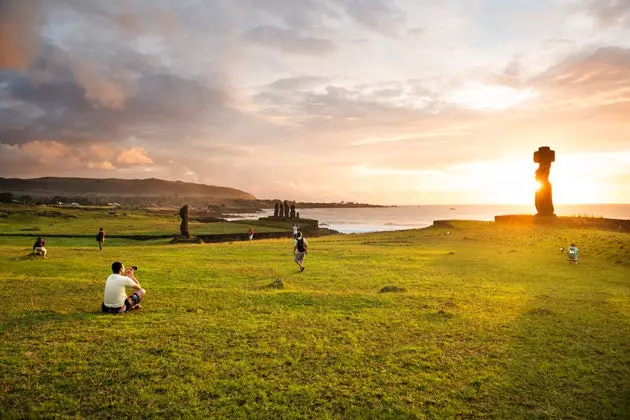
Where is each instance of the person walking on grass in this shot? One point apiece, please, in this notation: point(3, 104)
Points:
point(100, 238)
point(573, 254)
point(38, 247)
point(295, 231)
point(115, 299)
point(251, 232)
point(300, 249)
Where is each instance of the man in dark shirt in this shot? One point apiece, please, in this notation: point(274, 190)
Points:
point(100, 238)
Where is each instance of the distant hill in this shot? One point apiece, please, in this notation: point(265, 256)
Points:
point(113, 187)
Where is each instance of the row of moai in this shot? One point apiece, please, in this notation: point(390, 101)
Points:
point(282, 209)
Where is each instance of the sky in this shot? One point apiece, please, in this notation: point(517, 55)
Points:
point(379, 101)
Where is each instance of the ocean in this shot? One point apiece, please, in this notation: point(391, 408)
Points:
point(361, 220)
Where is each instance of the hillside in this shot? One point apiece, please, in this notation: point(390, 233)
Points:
point(50, 186)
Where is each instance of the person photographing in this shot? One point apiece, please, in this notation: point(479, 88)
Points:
point(115, 299)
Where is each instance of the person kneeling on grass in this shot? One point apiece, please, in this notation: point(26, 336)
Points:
point(115, 298)
point(38, 247)
point(572, 254)
point(300, 249)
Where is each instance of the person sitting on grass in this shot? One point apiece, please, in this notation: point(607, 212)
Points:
point(38, 247)
point(572, 254)
point(300, 249)
point(115, 298)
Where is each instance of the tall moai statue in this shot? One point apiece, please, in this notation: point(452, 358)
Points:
point(292, 211)
point(286, 208)
point(544, 157)
point(280, 209)
point(275, 210)
point(183, 228)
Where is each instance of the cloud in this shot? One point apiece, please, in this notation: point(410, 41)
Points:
point(287, 40)
point(377, 15)
point(597, 80)
point(134, 156)
point(611, 12)
point(97, 88)
point(20, 36)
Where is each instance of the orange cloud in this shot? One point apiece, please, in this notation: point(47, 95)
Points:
point(98, 88)
point(134, 156)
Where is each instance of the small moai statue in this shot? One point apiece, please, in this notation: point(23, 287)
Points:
point(297, 215)
point(183, 228)
point(275, 210)
point(292, 212)
point(280, 210)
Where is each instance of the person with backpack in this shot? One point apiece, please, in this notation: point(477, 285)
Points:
point(300, 249)
point(100, 238)
point(573, 254)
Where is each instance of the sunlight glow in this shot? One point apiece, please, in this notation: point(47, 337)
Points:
point(485, 97)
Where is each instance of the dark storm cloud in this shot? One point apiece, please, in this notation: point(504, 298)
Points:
point(61, 108)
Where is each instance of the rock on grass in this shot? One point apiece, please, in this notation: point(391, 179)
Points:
point(392, 289)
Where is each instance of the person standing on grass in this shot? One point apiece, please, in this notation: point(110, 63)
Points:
point(100, 238)
point(295, 231)
point(115, 299)
point(251, 232)
point(300, 249)
point(573, 254)
point(38, 247)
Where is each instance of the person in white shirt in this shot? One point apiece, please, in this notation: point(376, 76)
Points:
point(115, 299)
point(295, 231)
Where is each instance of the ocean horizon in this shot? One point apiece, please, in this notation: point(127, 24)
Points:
point(378, 219)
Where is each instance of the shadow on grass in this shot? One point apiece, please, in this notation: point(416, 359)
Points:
point(31, 319)
point(565, 360)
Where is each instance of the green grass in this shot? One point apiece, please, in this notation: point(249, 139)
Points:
point(50, 221)
point(494, 323)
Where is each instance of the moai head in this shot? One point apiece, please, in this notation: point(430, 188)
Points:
point(544, 156)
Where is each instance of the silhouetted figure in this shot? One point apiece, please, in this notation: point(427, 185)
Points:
point(292, 212)
point(275, 210)
point(280, 210)
point(297, 215)
point(183, 228)
point(286, 208)
point(544, 157)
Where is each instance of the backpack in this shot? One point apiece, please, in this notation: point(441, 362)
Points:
point(300, 245)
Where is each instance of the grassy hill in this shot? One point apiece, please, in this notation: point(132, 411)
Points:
point(493, 323)
point(50, 186)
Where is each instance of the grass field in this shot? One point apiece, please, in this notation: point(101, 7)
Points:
point(493, 323)
point(50, 221)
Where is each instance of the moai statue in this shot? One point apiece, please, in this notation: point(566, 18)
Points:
point(297, 215)
point(292, 212)
point(280, 210)
point(286, 208)
point(183, 228)
point(275, 210)
point(544, 157)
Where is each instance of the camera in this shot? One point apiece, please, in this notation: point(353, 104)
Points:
point(134, 267)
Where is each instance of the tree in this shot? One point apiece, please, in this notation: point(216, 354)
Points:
point(6, 197)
